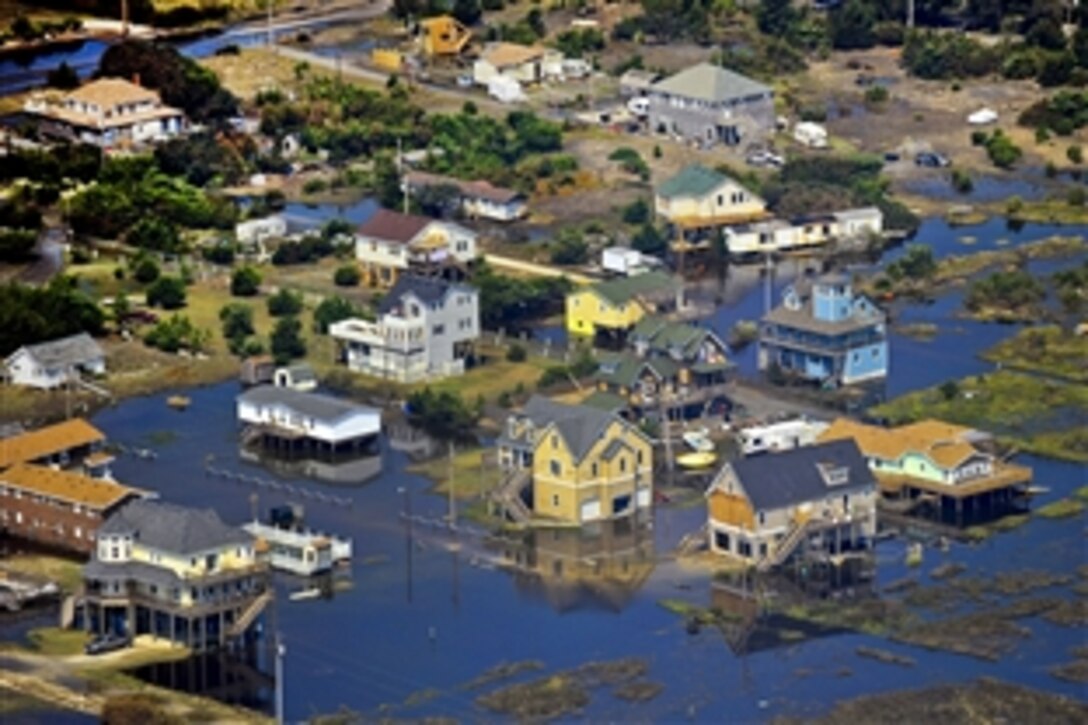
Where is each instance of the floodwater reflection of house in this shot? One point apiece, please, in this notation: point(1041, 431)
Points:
point(296, 424)
point(817, 499)
point(175, 573)
point(597, 566)
point(826, 334)
point(343, 469)
point(51, 364)
point(583, 464)
point(937, 469)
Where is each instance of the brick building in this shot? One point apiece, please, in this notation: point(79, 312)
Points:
point(60, 509)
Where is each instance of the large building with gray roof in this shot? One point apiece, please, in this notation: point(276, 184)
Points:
point(300, 424)
point(175, 573)
point(710, 105)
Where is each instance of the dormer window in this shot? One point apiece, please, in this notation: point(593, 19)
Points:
point(834, 474)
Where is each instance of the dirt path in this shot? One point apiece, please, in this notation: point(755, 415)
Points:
point(537, 270)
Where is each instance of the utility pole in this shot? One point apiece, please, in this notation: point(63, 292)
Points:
point(453, 501)
point(400, 173)
point(124, 19)
point(910, 13)
point(281, 651)
point(271, 40)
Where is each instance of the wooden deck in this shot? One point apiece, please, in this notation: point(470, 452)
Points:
point(1005, 476)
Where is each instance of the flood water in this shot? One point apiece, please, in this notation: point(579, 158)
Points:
point(435, 619)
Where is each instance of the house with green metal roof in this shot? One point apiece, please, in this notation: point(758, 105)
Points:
point(671, 369)
point(699, 197)
point(608, 310)
point(708, 104)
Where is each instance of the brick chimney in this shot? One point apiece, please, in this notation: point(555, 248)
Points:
point(136, 78)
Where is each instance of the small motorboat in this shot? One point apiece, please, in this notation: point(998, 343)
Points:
point(698, 439)
point(178, 402)
point(696, 459)
point(304, 594)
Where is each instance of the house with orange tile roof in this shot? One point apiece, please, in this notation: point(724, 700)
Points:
point(57, 508)
point(108, 112)
point(945, 466)
point(526, 64)
point(60, 445)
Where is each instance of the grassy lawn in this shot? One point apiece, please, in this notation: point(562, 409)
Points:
point(56, 641)
point(1051, 211)
point(475, 472)
point(1047, 350)
point(498, 375)
point(65, 572)
point(1024, 410)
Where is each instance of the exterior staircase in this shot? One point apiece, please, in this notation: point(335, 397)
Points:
point(508, 495)
point(249, 614)
point(795, 535)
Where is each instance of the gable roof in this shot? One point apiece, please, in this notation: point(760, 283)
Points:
point(663, 335)
point(708, 82)
point(504, 55)
point(776, 480)
point(392, 226)
point(804, 317)
point(48, 441)
point(109, 92)
point(314, 405)
point(428, 289)
point(78, 349)
point(946, 444)
point(580, 426)
point(624, 289)
point(480, 189)
point(174, 529)
point(67, 486)
point(694, 180)
point(628, 368)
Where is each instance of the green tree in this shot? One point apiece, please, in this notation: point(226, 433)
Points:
point(467, 11)
point(17, 245)
point(851, 25)
point(245, 282)
point(154, 233)
point(146, 270)
point(648, 240)
point(346, 276)
point(167, 293)
point(950, 390)
point(35, 314)
point(284, 303)
point(570, 248)
point(776, 17)
point(1075, 154)
point(286, 341)
point(237, 320)
point(333, 309)
point(443, 414)
point(62, 77)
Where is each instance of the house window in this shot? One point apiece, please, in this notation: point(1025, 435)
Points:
point(845, 501)
point(593, 470)
point(623, 465)
point(555, 500)
point(555, 442)
point(555, 468)
point(762, 518)
point(439, 329)
point(721, 200)
point(638, 457)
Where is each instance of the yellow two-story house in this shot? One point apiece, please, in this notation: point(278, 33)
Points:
point(701, 198)
point(174, 573)
point(611, 309)
point(586, 464)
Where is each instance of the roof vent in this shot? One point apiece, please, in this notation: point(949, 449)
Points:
point(834, 474)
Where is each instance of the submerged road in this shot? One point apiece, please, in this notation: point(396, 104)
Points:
point(537, 270)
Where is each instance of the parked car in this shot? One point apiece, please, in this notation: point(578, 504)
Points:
point(764, 158)
point(931, 160)
point(891, 157)
point(464, 80)
point(107, 643)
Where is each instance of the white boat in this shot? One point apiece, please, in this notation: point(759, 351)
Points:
point(301, 552)
point(303, 594)
point(698, 439)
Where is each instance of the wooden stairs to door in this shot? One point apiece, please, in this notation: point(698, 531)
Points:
point(796, 535)
point(250, 614)
point(508, 496)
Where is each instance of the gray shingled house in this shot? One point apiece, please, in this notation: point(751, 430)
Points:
point(52, 364)
point(709, 105)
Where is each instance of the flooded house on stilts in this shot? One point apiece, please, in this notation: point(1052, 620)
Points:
point(293, 424)
point(938, 471)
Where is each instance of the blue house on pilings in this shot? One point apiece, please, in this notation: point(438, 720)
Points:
point(825, 333)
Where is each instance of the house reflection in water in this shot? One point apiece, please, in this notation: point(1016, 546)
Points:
point(341, 470)
point(600, 565)
point(231, 679)
point(753, 606)
point(406, 438)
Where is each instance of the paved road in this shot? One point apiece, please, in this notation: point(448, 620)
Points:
point(537, 270)
point(50, 260)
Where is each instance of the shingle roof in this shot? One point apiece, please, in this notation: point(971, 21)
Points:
point(663, 335)
point(612, 449)
point(109, 92)
point(428, 289)
point(580, 426)
point(78, 349)
point(776, 480)
point(132, 571)
point(504, 55)
point(945, 444)
point(66, 486)
point(48, 441)
point(479, 189)
point(603, 400)
point(694, 180)
point(174, 529)
point(392, 226)
point(628, 368)
point(804, 317)
point(313, 405)
point(708, 82)
point(624, 289)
